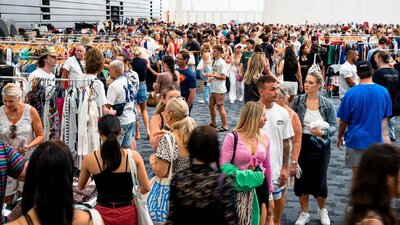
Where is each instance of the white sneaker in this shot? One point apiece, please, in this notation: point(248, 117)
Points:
point(323, 213)
point(202, 101)
point(303, 219)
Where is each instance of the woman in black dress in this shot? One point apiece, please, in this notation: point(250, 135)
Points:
point(315, 147)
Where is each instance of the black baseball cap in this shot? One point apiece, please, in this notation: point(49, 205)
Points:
point(364, 67)
point(383, 41)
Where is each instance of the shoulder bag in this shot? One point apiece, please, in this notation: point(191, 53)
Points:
point(158, 198)
point(314, 67)
point(138, 198)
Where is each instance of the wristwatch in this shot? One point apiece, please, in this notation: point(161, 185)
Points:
point(294, 162)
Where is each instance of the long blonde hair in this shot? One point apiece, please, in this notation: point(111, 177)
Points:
point(184, 123)
point(255, 67)
point(249, 121)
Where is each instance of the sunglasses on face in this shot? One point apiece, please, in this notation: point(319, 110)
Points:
point(12, 128)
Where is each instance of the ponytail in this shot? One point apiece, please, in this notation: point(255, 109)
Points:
point(110, 150)
point(167, 59)
point(184, 127)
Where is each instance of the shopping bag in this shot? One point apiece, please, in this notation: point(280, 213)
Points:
point(138, 198)
point(158, 198)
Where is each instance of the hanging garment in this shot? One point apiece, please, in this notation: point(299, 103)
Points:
point(65, 119)
point(93, 135)
point(83, 119)
point(73, 120)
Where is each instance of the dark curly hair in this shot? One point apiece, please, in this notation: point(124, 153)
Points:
point(94, 61)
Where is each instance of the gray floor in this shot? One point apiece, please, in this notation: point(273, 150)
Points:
point(339, 176)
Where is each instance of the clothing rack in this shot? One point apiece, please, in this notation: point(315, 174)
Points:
point(23, 43)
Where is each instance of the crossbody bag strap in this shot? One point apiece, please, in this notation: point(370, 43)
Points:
point(235, 138)
point(133, 167)
point(171, 141)
point(80, 64)
point(315, 57)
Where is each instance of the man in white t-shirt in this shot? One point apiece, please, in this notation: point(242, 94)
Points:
point(280, 131)
point(296, 44)
point(348, 73)
point(218, 89)
point(118, 92)
point(46, 62)
point(74, 67)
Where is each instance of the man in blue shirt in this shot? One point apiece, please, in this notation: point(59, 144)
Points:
point(364, 111)
point(187, 78)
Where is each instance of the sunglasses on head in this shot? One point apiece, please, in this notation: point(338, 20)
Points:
point(12, 128)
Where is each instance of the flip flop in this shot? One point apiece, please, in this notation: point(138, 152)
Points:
point(221, 129)
point(212, 125)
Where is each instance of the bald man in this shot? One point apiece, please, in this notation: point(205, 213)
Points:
point(74, 67)
point(121, 98)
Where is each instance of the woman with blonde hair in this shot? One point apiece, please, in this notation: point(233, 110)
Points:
point(254, 70)
point(181, 124)
point(20, 127)
point(318, 118)
point(158, 123)
point(251, 153)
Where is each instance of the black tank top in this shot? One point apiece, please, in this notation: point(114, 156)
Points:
point(113, 187)
point(289, 71)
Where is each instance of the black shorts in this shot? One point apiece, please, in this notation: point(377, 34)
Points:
point(263, 194)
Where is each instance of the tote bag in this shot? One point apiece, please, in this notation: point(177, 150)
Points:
point(138, 198)
point(315, 67)
point(158, 198)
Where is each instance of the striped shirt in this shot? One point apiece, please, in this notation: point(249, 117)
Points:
point(11, 164)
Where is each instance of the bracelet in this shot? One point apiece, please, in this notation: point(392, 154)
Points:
point(294, 162)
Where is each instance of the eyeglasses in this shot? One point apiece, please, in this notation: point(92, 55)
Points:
point(12, 128)
point(176, 97)
point(179, 58)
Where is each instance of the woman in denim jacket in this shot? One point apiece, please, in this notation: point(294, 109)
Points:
point(315, 148)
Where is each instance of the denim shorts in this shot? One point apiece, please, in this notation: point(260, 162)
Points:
point(142, 93)
point(126, 137)
point(277, 192)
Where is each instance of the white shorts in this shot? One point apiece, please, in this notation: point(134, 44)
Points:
point(291, 86)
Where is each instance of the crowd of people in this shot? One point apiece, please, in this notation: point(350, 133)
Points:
point(284, 129)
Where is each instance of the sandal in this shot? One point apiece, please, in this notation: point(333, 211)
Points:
point(212, 125)
point(221, 129)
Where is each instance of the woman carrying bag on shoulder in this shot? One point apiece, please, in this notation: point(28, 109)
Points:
point(172, 156)
point(111, 172)
point(245, 156)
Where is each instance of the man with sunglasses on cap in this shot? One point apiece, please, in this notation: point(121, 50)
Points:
point(47, 61)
